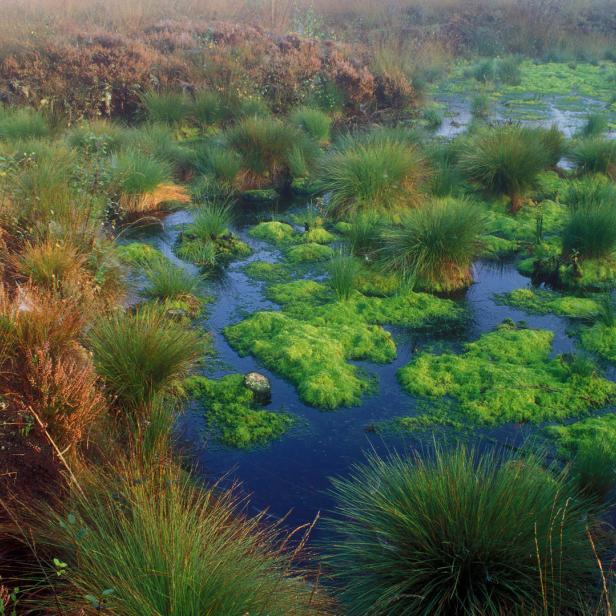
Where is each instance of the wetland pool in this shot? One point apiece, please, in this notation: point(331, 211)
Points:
point(289, 477)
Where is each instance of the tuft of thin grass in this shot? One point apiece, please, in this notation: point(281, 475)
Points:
point(385, 175)
point(595, 155)
point(590, 192)
point(435, 245)
point(212, 222)
point(505, 160)
point(165, 107)
point(594, 469)
point(343, 273)
point(364, 234)
point(135, 173)
point(313, 122)
point(596, 124)
point(142, 356)
point(590, 232)
point(22, 123)
point(208, 108)
point(147, 539)
point(264, 143)
point(166, 280)
point(459, 533)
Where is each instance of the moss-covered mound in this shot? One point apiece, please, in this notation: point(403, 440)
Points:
point(541, 301)
point(310, 252)
point(584, 434)
point(319, 235)
point(268, 272)
point(273, 231)
point(600, 339)
point(218, 251)
point(314, 356)
point(312, 340)
point(508, 376)
point(231, 412)
point(138, 254)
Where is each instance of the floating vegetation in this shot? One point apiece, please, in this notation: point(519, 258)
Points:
point(231, 412)
point(507, 376)
point(311, 341)
point(542, 301)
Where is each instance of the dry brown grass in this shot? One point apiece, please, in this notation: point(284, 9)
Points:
point(151, 202)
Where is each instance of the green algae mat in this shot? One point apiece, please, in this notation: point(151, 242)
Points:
point(508, 376)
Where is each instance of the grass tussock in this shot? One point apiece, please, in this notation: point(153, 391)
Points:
point(460, 533)
point(143, 356)
point(435, 245)
point(506, 161)
point(381, 174)
point(151, 541)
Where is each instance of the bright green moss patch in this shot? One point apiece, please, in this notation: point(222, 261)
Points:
point(311, 341)
point(231, 412)
point(584, 434)
point(305, 187)
point(138, 254)
point(494, 247)
point(319, 235)
point(600, 339)
point(343, 227)
point(540, 301)
point(268, 272)
point(508, 376)
point(309, 253)
point(313, 356)
point(273, 231)
point(184, 307)
point(593, 274)
point(379, 284)
point(212, 252)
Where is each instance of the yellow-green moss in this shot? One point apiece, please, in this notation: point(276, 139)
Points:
point(231, 413)
point(319, 235)
point(311, 341)
point(313, 356)
point(273, 231)
point(138, 254)
point(600, 339)
point(309, 253)
point(268, 272)
point(508, 376)
point(540, 301)
point(584, 434)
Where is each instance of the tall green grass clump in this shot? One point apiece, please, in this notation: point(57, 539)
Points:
point(212, 222)
point(142, 356)
point(153, 542)
point(208, 108)
point(554, 143)
point(480, 106)
point(135, 173)
point(313, 122)
point(343, 273)
point(22, 123)
point(166, 281)
point(165, 107)
point(460, 533)
point(385, 175)
point(590, 192)
point(596, 124)
point(595, 155)
point(364, 234)
point(590, 232)
point(594, 469)
point(264, 145)
point(220, 164)
point(505, 161)
point(435, 245)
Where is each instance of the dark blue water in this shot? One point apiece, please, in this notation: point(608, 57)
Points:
point(290, 477)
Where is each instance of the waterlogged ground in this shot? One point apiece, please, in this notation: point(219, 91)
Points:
point(289, 476)
point(551, 93)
